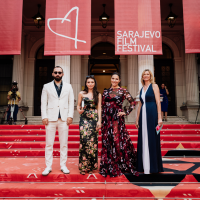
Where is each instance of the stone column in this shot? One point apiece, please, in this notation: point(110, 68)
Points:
point(76, 75)
point(124, 78)
point(26, 55)
point(183, 67)
point(30, 86)
point(192, 93)
point(144, 62)
point(84, 70)
point(133, 82)
point(179, 83)
point(133, 75)
point(64, 62)
point(76, 82)
point(18, 74)
point(18, 71)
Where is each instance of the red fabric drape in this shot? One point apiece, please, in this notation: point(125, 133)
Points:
point(138, 27)
point(10, 27)
point(68, 27)
point(191, 18)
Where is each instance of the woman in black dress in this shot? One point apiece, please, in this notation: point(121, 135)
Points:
point(118, 155)
point(149, 116)
point(89, 108)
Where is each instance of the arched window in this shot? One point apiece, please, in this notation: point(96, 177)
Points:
point(167, 53)
point(40, 54)
point(102, 63)
point(103, 50)
point(103, 59)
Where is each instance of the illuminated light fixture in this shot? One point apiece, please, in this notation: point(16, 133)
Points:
point(38, 18)
point(104, 53)
point(104, 70)
point(104, 18)
point(171, 18)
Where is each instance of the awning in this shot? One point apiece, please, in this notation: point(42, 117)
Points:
point(10, 27)
point(138, 27)
point(68, 27)
point(191, 17)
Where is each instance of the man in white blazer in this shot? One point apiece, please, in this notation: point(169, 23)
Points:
point(57, 109)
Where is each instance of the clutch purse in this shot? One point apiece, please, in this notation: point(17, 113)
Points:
point(158, 129)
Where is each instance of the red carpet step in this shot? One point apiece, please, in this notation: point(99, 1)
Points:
point(40, 138)
point(30, 170)
point(29, 140)
point(75, 145)
point(128, 126)
point(76, 132)
point(21, 177)
point(59, 190)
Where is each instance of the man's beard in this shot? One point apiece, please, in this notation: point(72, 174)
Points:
point(58, 78)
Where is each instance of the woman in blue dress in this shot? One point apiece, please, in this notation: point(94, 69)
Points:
point(164, 104)
point(149, 158)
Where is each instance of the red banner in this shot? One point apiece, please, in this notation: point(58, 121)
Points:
point(68, 27)
point(138, 27)
point(191, 18)
point(10, 27)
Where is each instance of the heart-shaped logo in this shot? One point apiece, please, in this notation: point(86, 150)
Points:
point(68, 20)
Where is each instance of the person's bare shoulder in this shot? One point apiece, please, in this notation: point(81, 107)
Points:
point(155, 86)
point(81, 93)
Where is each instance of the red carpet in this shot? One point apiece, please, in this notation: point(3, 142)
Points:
point(29, 140)
point(22, 162)
point(21, 177)
point(128, 126)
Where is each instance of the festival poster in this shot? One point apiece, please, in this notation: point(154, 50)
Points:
point(10, 27)
point(68, 27)
point(191, 16)
point(138, 27)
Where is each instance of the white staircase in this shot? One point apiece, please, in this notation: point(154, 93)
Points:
point(34, 119)
point(176, 120)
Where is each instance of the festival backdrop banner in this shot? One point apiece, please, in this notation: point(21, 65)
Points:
point(191, 18)
point(67, 27)
point(138, 27)
point(10, 27)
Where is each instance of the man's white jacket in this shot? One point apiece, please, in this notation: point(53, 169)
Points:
point(51, 104)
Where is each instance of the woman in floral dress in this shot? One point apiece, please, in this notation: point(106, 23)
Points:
point(89, 108)
point(118, 155)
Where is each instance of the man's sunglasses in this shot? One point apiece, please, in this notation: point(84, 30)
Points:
point(57, 72)
point(90, 76)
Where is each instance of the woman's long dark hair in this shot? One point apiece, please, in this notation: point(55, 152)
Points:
point(116, 73)
point(95, 91)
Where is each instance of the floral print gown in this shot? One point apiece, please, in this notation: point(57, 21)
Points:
point(88, 149)
point(118, 155)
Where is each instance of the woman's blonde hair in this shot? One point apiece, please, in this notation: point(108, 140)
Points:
point(151, 76)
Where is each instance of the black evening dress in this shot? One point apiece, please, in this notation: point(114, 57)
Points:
point(149, 157)
point(118, 155)
point(88, 149)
